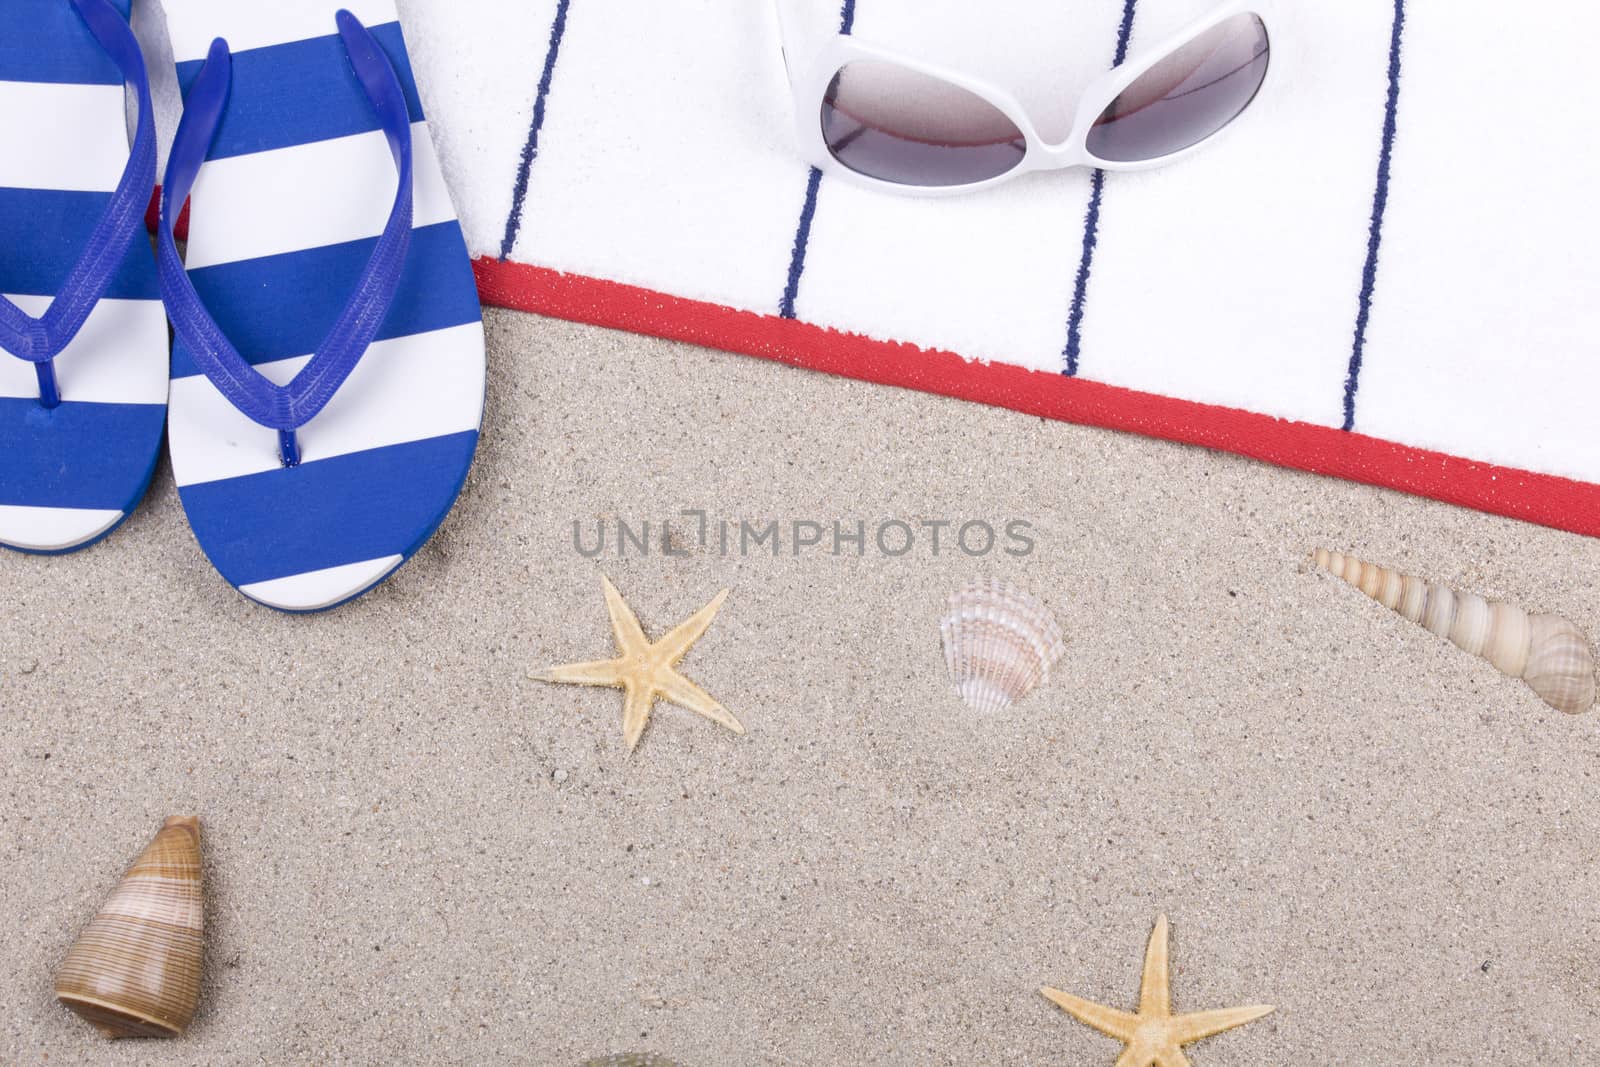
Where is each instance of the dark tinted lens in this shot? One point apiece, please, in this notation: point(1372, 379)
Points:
point(898, 125)
point(1186, 97)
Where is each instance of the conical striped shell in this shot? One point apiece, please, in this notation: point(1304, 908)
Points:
point(1549, 653)
point(135, 972)
point(999, 644)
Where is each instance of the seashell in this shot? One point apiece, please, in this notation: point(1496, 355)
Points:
point(999, 644)
point(135, 971)
point(630, 1059)
point(1547, 652)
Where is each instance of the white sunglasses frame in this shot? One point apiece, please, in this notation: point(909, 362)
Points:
point(811, 74)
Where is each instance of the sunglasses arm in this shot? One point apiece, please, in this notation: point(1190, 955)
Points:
point(786, 39)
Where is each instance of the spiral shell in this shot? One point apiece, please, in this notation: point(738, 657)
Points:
point(999, 644)
point(135, 971)
point(1547, 652)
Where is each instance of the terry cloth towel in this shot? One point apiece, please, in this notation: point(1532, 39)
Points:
point(1384, 271)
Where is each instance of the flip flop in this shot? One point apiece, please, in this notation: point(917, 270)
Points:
point(328, 369)
point(83, 339)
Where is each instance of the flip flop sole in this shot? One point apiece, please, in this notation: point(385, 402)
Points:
point(71, 473)
point(283, 217)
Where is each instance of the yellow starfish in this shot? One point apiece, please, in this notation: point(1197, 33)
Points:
point(1155, 1036)
point(644, 670)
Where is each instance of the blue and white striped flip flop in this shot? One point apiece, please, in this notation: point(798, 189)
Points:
point(83, 339)
point(328, 370)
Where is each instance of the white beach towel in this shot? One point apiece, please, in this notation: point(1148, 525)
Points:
point(1383, 271)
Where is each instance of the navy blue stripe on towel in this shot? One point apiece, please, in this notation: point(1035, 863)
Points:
point(808, 210)
point(1380, 204)
point(802, 237)
point(1091, 221)
point(530, 149)
point(847, 17)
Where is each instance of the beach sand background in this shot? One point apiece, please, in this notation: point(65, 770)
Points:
point(415, 854)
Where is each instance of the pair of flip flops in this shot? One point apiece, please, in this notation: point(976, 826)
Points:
point(324, 389)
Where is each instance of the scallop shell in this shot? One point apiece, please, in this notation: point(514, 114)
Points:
point(1547, 652)
point(999, 644)
point(135, 971)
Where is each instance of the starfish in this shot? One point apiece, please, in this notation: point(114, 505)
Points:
point(645, 670)
point(1154, 1036)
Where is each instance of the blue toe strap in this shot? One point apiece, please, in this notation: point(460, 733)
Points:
point(40, 340)
point(286, 408)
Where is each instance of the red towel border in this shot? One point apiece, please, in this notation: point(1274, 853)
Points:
point(1545, 499)
point(1539, 498)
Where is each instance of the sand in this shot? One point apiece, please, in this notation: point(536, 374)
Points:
point(417, 854)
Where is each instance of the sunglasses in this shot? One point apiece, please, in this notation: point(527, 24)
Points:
point(897, 123)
